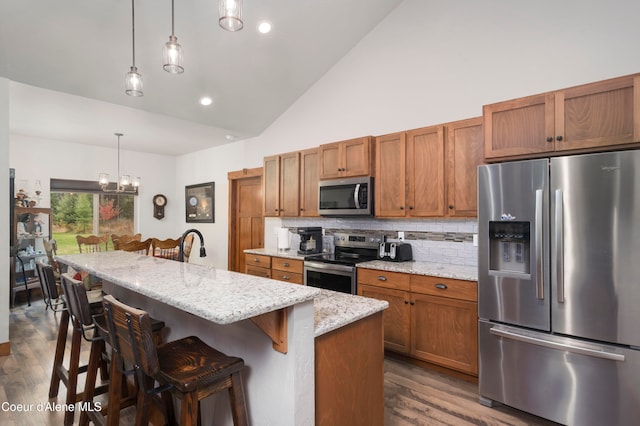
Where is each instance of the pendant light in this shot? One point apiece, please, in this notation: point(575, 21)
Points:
point(133, 80)
point(230, 13)
point(172, 52)
point(124, 183)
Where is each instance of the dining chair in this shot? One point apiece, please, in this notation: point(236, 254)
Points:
point(116, 240)
point(166, 249)
point(92, 243)
point(140, 247)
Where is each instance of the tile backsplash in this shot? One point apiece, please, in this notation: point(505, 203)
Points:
point(432, 240)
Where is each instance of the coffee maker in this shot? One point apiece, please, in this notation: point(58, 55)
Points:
point(310, 240)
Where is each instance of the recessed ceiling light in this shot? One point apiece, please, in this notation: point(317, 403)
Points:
point(264, 27)
point(206, 101)
point(230, 137)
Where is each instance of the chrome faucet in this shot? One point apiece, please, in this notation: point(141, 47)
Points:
point(203, 253)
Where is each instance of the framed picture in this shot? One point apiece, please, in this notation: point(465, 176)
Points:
point(199, 199)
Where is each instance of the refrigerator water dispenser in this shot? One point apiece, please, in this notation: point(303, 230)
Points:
point(509, 244)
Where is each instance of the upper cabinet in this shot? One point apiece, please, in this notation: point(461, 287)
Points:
point(429, 172)
point(290, 184)
point(349, 158)
point(281, 180)
point(589, 117)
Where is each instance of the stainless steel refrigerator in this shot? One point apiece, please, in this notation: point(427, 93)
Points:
point(559, 287)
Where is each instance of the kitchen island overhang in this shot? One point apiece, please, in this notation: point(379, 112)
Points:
point(214, 304)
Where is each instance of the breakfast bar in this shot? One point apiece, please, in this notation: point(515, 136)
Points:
point(277, 328)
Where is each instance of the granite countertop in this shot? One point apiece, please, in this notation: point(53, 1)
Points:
point(216, 295)
point(445, 270)
point(334, 310)
point(289, 254)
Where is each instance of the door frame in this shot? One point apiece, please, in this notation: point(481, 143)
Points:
point(234, 178)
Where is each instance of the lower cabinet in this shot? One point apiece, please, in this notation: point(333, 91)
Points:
point(429, 318)
point(278, 268)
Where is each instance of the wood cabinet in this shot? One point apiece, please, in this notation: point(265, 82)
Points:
point(590, 117)
point(429, 172)
point(349, 158)
point(278, 268)
point(31, 227)
point(309, 176)
point(281, 184)
point(429, 318)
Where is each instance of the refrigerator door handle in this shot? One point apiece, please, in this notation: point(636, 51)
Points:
point(558, 274)
point(556, 345)
point(538, 246)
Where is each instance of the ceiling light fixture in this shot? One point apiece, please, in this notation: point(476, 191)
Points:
point(133, 80)
point(124, 184)
point(264, 27)
point(230, 13)
point(172, 52)
point(205, 101)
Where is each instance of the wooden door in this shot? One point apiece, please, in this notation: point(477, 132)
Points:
point(330, 166)
point(309, 182)
point(246, 224)
point(290, 184)
point(271, 185)
point(390, 184)
point(464, 155)
point(602, 114)
point(425, 170)
point(445, 332)
point(519, 127)
point(396, 317)
point(356, 159)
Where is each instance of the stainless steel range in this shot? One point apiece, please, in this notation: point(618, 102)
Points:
point(337, 271)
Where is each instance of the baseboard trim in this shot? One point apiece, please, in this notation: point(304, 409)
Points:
point(5, 348)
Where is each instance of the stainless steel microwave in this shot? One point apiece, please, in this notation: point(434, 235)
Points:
point(346, 197)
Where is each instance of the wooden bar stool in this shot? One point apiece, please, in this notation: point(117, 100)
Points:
point(188, 368)
point(83, 327)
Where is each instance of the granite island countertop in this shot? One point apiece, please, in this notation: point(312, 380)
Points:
point(216, 295)
point(444, 270)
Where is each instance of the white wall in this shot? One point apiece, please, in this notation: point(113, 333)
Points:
point(35, 158)
point(4, 211)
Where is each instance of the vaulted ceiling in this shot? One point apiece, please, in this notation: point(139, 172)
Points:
point(80, 51)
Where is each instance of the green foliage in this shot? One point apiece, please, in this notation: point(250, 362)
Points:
point(84, 212)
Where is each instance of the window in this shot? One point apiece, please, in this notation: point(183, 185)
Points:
point(80, 207)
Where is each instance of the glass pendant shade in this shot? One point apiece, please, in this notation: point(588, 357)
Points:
point(133, 83)
point(103, 179)
point(230, 13)
point(172, 56)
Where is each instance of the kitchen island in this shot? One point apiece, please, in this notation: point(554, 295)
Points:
point(277, 328)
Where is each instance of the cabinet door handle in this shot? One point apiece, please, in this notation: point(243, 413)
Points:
point(406, 302)
point(401, 207)
point(382, 278)
point(441, 286)
point(451, 206)
point(413, 303)
point(549, 139)
point(256, 260)
point(285, 277)
point(285, 264)
point(559, 138)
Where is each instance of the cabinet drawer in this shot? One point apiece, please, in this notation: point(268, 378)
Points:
point(287, 265)
point(257, 271)
point(385, 279)
point(286, 276)
point(445, 287)
point(257, 260)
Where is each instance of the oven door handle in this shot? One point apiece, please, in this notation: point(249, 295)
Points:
point(318, 266)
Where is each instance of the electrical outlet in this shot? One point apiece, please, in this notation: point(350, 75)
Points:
point(475, 240)
point(400, 235)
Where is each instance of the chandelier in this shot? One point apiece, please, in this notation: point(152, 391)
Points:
point(124, 183)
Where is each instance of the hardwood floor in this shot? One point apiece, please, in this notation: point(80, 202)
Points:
point(413, 395)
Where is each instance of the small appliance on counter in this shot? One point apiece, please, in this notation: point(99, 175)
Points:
point(395, 252)
point(310, 240)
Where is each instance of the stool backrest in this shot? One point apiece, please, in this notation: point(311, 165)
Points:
point(77, 301)
point(131, 335)
point(140, 247)
point(47, 280)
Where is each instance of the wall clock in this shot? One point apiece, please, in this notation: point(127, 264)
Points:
point(159, 201)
